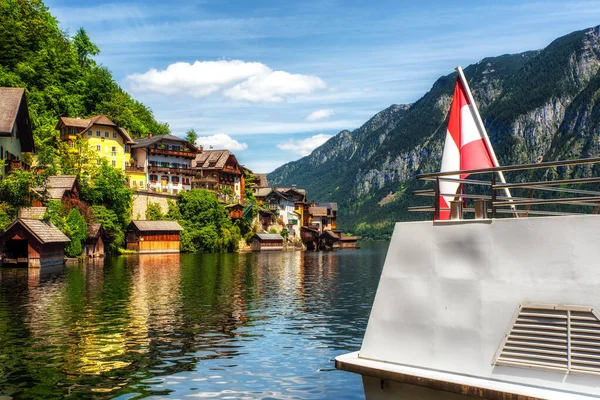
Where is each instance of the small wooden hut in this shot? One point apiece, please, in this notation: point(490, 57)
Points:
point(32, 243)
point(349, 242)
point(267, 242)
point(330, 240)
point(94, 243)
point(154, 236)
point(310, 237)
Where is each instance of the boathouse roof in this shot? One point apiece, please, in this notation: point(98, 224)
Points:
point(269, 236)
point(43, 231)
point(165, 226)
point(33, 212)
point(94, 230)
point(57, 186)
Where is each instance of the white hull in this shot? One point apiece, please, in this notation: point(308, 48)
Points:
point(448, 301)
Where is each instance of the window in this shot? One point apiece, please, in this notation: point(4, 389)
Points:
point(114, 135)
point(141, 183)
point(114, 163)
point(98, 133)
point(126, 149)
point(175, 179)
point(98, 148)
point(113, 151)
point(134, 183)
point(106, 134)
point(173, 147)
point(90, 133)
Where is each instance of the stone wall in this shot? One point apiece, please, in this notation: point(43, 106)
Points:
point(141, 199)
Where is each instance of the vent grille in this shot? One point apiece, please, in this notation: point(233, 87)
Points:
point(560, 338)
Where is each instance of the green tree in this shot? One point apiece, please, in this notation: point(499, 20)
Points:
point(191, 136)
point(84, 46)
point(77, 230)
point(111, 225)
point(154, 212)
point(108, 187)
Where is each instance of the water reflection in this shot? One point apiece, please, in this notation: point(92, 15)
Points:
point(237, 325)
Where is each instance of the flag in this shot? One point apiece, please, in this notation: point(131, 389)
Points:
point(465, 147)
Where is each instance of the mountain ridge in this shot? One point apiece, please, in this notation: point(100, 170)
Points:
point(536, 105)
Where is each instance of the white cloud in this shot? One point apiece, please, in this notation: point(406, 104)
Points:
point(304, 146)
point(221, 141)
point(235, 79)
point(320, 114)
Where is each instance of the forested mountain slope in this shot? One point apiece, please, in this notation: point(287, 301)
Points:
point(59, 74)
point(536, 105)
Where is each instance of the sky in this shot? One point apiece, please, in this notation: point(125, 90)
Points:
point(272, 80)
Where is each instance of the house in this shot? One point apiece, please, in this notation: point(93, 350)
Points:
point(161, 163)
point(267, 242)
point(310, 237)
point(284, 209)
point(217, 170)
point(266, 218)
point(99, 133)
point(154, 236)
point(330, 240)
point(332, 209)
point(94, 243)
point(16, 136)
point(236, 211)
point(32, 243)
point(58, 187)
point(318, 218)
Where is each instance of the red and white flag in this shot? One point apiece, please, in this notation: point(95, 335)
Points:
point(465, 147)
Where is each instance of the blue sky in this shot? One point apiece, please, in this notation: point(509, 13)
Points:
point(271, 80)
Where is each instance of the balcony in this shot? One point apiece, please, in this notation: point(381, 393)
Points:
point(156, 168)
point(205, 179)
point(134, 168)
point(174, 153)
point(182, 171)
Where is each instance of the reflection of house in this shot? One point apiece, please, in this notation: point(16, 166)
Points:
point(154, 236)
point(267, 242)
point(99, 133)
point(32, 243)
point(94, 243)
point(161, 163)
point(16, 137)
point(217, 170)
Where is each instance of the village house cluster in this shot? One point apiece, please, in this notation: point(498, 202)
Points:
point(156, 166)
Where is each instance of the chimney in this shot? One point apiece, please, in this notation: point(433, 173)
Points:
point(149, 134)
point(294, 187)
point(200, 148)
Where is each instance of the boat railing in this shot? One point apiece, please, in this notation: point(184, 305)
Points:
point(547, 194)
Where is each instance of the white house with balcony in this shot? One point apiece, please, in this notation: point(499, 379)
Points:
point(167, 162)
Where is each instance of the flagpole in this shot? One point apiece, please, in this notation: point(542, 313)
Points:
point(482, 129)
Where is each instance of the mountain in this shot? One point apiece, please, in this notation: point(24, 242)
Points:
point(537, 105)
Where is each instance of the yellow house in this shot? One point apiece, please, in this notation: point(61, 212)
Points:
point(104, 137)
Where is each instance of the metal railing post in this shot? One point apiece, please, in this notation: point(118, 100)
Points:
point(493, 195)
point(436, 212)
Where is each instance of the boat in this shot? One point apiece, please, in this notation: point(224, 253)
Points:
point(501, 305)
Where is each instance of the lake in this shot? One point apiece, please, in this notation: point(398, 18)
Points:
point(254, 325)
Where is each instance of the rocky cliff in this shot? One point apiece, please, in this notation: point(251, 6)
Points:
point(537, 105)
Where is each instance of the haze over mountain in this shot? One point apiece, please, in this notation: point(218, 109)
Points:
point(537, 105)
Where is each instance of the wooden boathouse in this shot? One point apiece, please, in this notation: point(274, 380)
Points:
point(267, 242)
point(32, 243)
point(154, 236)
point(94, 243)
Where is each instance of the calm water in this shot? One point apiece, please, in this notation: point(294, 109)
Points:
point(170, 326)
